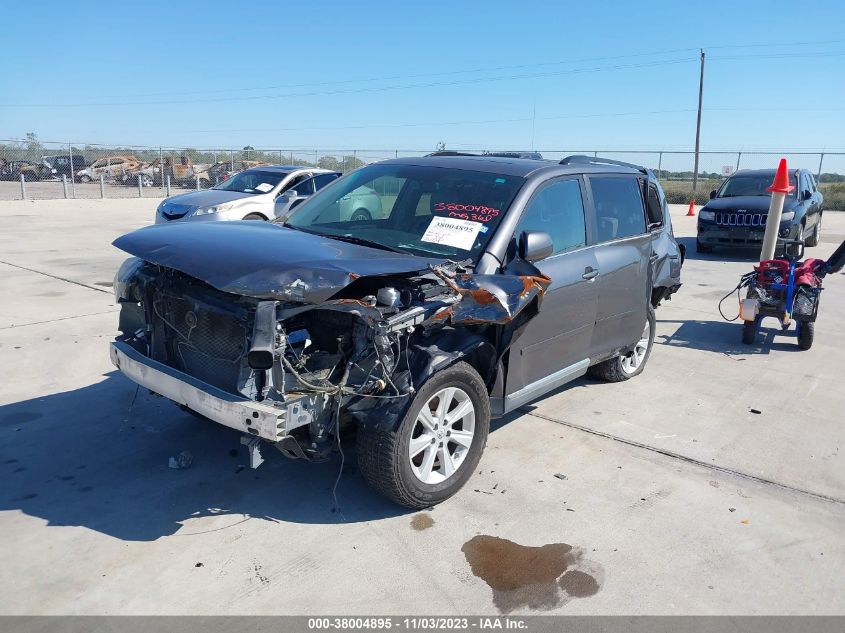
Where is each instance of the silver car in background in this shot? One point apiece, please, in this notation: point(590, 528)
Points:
point(259, 193)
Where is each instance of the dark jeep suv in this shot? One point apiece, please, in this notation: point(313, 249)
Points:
point(737, 212)
point(486, 283)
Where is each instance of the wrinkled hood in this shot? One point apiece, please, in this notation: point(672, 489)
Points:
point(264, 260)
point(206, 198)
point(749, 203)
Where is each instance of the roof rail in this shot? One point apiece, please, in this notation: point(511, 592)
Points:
point(580, 159)
point(449, 152)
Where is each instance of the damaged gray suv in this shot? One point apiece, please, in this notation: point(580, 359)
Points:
point(484, 284)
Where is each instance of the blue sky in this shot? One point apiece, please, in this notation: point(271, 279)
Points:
point(409, 75)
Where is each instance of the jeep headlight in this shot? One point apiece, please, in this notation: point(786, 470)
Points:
point(707, 215)
point(787, 216)
point(215, 209)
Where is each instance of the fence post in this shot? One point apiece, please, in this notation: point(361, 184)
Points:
point(160, 166)
point(102, 185)
point(232, 166)
point(197, 178)
point(72, 178)
point(659, 163)
point(738, 156)
point(167, 179)
point(140, 186)
point(23, 187)
point(821, 159)
point(64, 185)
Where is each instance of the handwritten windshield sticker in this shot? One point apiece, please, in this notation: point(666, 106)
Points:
point(264, 187)
point(473, 212)
point(484, 229)
point(452, 232)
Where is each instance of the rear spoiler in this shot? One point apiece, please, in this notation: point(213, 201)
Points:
point(580, 159)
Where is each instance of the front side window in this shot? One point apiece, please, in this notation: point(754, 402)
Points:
point(429, 211)
point(557, 209)
point(323, 179)
point(619, 207)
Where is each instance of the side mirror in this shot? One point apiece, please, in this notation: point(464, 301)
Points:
point(713, 194)
point(535, 245)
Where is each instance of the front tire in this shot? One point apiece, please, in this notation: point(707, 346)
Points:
point(361, 215)
point(434, 450)
point(254, 216)
point(626, 366)
point(85, 178)
point(806, 335)
point(147, 180)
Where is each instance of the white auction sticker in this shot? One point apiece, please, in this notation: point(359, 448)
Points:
point(452, 232)
point(264, 187)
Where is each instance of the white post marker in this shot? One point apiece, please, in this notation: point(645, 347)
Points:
point(780, 187)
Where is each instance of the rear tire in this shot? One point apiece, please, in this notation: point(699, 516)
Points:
point(749, 332)
point(625, 367)
point(254, 216)
point(702, 248)
point(85, 179)
point(806, 335)
point(386, 456)
point(361, 215)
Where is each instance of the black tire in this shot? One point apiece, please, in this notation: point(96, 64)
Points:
point(361, 215)
point(254, 216)
point(383, 457)
point(616, 369)
point(85, 178)
point(806, 335)
point(749, 332)
point(702, 248)
point(813, 240)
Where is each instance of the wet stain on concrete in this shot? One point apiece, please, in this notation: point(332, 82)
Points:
point(22, 416)
point(105, 284)
point(421, 522)
point(537, 578)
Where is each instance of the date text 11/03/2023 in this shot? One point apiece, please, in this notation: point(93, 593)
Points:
point(429, 623)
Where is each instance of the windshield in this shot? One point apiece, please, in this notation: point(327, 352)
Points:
point(749, 185)
point(422, 210)
point(252, 182)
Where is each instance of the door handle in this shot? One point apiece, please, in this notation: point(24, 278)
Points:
point(590, 273)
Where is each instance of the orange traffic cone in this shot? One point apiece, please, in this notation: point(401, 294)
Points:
point(781, 183)
point(691, 207)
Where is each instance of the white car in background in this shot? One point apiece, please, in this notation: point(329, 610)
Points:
point(258, 193)
point(360, 205)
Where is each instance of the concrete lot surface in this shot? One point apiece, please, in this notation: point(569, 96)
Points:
point(714, 483)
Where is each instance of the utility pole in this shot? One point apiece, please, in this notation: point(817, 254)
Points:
point(698, 125)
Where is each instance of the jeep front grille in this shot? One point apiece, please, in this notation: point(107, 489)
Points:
point(732, 218)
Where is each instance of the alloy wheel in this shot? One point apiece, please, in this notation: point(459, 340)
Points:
point(634, 359)
point(442, 435)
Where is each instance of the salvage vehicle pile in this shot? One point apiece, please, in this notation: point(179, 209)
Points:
point(410, 329)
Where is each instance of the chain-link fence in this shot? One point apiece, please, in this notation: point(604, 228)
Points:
point(30, 169)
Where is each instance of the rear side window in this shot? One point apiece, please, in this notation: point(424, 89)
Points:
point(619, 207)
point(654, 208)
point(557, 209)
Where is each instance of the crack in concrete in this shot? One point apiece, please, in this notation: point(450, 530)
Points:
point(684, 458)
point(70, 281)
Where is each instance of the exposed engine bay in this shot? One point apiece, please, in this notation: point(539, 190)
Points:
point(331, 363)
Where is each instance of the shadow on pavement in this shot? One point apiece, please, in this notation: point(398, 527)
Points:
point(750, 254)
point(725, 338)
point(97, 457)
